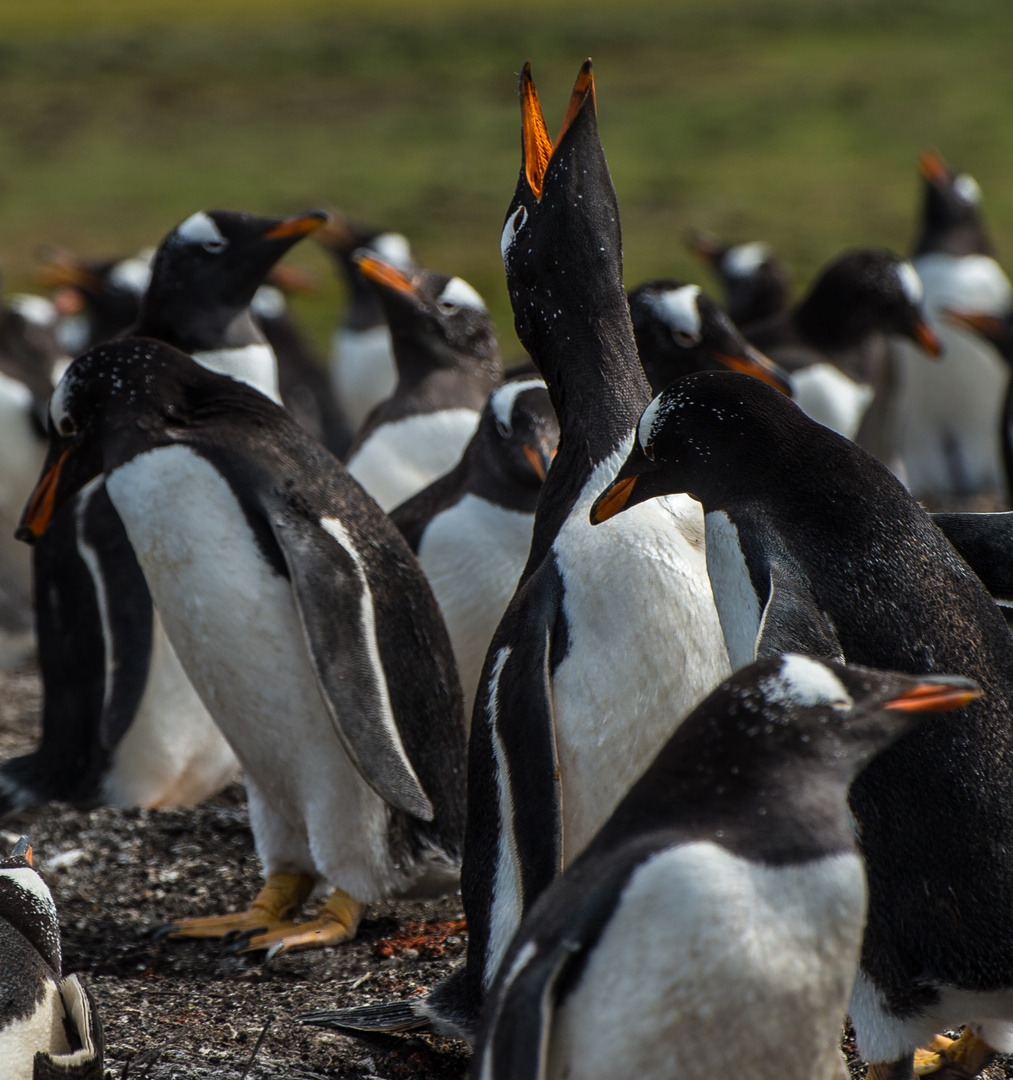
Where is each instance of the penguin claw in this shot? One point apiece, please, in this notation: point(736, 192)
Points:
point(336, 923)
point(953, 1059)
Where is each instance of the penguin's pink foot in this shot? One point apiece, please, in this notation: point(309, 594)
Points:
point(275, 905)
point(336, 922)
point(953, 1059)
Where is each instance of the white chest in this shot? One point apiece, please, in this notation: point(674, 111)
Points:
point(255, 365)
point(363, 371)
point(473, 555)
point(709, 958)
point(968, 283)
point(828, 396)
point(399, 459)
point(645, 645)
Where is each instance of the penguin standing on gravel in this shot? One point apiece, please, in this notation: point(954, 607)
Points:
point(299, 615)
point(121, 722)
point(717, 917)
point(813, 546)
point(48, 1025)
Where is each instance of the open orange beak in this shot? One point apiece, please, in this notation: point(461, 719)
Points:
point(39, 512)
point(538, 147)
point(928, 339)
point(939, 696)
point(300, 225)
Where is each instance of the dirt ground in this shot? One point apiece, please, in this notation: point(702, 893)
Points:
point(175, 1010)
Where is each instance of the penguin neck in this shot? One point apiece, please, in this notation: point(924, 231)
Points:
point(830, 325)
point(201, 330)
point(966, 238)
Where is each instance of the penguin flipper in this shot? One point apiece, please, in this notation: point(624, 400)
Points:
point(985, 542)
point(792, 620)
point(84, 1031)
point(336, 611)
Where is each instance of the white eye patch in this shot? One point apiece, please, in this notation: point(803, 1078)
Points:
point(514, 223)
point(966, 189)
point(503, 398)
point(653, 415)
point(744, 260)
point(806, 683)
point(910, 282)
point(678, 309)
point(458, 293)
point(200, 229)
point(393, 248)
point(132, 275)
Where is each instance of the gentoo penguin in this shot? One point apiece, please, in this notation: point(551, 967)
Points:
point(575, 698)
point(813, 546)
point(948, 414)
point(834, 342)
point(717, 916)
point(448, 365)
point(121, 722)
point(755, 280)
point(679, 329)
point(363, 370)
point(300, 616)
point(471, 529)
point(48, 1025)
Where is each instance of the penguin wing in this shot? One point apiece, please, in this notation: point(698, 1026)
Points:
point(792, 620)
point(335, 607)
point(985, 541)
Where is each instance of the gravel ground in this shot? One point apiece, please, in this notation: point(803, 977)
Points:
point(175, 1010)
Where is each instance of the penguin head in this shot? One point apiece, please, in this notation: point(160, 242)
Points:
point(756, 282)
point(519, 432)
point(117, 400)
point(679, 330)
point(435, 320)
point(27, 905)
point(717, 436)
point(951, 198)
point(208, 268)
point(866, 291)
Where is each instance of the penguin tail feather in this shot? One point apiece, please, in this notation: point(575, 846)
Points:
point(389, 1017)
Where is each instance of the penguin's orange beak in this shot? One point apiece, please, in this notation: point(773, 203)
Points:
point(382, 273)
point(39, 511)
point(927, 339)
point(933, 168)
point(538, 147)
point(613, 500)
point(937, 696)
point(300, 225)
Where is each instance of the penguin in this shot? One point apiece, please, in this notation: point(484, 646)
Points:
point(300, 616)
point(471, 529)
point(949, 414)
point(121, 723)
point(679, 329)
point(717, 916)
point(573, 699)
point(448, 365)
point(755, 280)
point(48, 1025)
point(363, 369)
point(985, 542)
point(814, 546)
point(834, 343)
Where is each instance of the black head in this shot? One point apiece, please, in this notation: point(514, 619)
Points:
point(207, 269)
point(518, 434)
point(720, 437)
point(863, 292)
point(951, 217)
point(119, 399)
point(436, 321)
point(768, 757)
point(27, 905)
point(755, 280)
point(679, 330)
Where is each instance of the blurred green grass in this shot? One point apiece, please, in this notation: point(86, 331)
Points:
point(798, 121)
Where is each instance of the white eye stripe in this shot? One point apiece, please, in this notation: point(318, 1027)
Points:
point(966, 189)
point(652, 415)
point(805, 683)
point(131, 275)
point(504, 397)
point(513, 226)
point(200, 229)
point(679, 310)
point(58, 412)
point(910, 283)
point(393, 248)
point(744, 260)
point(458, 293)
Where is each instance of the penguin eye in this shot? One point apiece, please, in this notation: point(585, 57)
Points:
point(447, 308)
point(685, 338)
point(513, 226)
point(66, 426)
point(503, 429)
point(215, 247)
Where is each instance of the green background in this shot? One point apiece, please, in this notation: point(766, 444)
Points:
point(795, 121)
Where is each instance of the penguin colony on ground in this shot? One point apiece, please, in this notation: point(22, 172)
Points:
point(645, 647)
